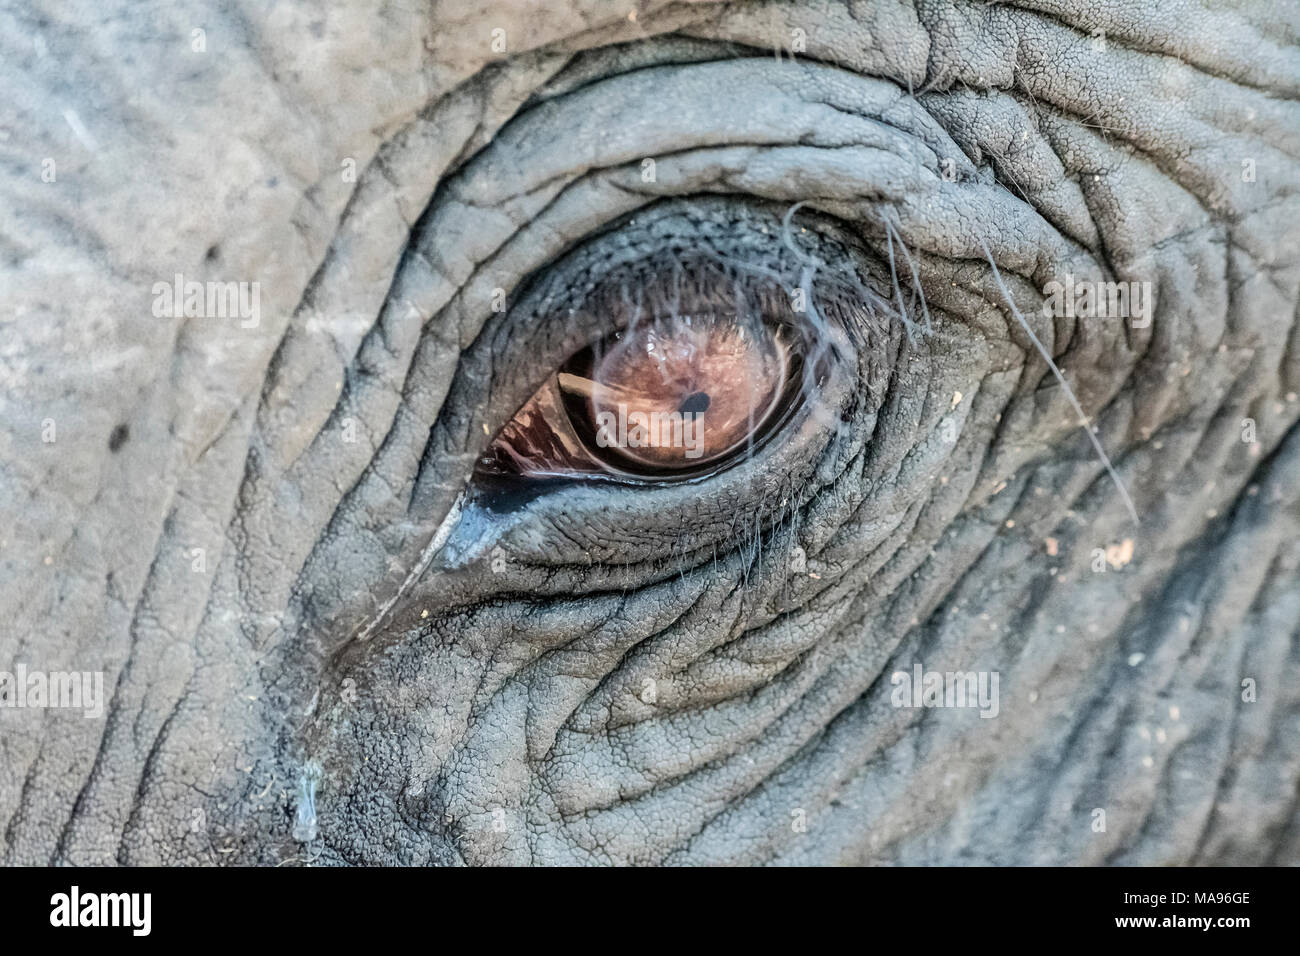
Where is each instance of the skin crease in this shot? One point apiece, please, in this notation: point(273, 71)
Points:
point(259, 532)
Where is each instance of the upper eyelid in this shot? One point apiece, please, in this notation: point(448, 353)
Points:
point(541, 196)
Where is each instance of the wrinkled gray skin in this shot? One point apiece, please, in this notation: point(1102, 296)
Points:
point(509, 722)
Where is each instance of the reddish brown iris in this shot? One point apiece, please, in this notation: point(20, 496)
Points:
point(680, 393)
point(663, 398)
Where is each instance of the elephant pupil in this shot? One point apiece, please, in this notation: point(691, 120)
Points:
point(695, 404)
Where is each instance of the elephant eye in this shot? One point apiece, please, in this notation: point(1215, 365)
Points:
point(671, 395)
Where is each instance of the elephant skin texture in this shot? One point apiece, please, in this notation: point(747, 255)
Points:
point(1008, 576)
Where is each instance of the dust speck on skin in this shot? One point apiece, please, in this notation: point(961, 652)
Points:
point(1119, 555)
point(118, 437)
